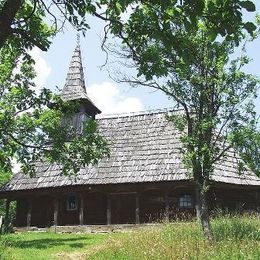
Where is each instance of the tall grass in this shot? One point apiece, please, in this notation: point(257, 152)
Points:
point(4, 252)
point(235, 238)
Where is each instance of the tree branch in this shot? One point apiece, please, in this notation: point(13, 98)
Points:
point(7, 17)
point(27, 37)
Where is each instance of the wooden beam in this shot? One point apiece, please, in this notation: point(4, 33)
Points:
point(167, 208)
point(81, 210)
point(137, 209)
point(7, 214)
point(56, 211)
point(257, 198)
point(29, 213)
point(108, 209)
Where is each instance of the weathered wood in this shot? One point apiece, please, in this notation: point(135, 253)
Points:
point(137, 209)
point(167, 207)
point(108, 209)
point(81, 210)
point(29, 213)
point(7, 212)
point(132, 158)
point(56, 212)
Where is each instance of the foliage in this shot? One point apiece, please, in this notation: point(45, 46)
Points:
point(185, 50)
point(248, 144)
point(4, 177)
point(30, 124)
point(180, 47)
point(174, 40)
point(22, 19)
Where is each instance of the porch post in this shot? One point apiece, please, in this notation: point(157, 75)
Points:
point(257, 197)
point(81, 210)
point(137, 209)
point(29, 213)
point(167, 207)
point(55, 212)
point(108, 209)
point(7, 210)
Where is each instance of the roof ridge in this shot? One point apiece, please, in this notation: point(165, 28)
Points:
point(140, 113)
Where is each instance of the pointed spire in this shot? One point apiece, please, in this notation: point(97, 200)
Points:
point(75, 88)
point(75, 84)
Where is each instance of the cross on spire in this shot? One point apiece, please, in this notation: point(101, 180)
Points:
point(78, 38)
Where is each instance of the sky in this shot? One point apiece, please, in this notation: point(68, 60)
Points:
point(109, 96)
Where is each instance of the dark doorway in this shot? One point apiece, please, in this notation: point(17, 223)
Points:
point(95, 209)
point(42, 212)
point(123, 208)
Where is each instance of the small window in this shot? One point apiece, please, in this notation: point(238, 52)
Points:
point(80, 119)
point(72, 202)
point(185, 201)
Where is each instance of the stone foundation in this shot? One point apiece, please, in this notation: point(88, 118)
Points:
point(85, 228)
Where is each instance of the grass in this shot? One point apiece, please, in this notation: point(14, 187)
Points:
point(235, 238)
point(32, 245)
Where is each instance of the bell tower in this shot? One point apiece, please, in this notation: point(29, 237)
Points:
point(75, 88)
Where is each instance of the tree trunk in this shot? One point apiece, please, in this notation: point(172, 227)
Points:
point(7, 15)
point(202, 212)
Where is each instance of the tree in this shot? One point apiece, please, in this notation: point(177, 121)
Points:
point(22, 19)
point(179, 47)
point(248, 145)
point(30, 124)
point(184, 50)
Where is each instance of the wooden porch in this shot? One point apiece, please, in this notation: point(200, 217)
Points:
point(112, 205)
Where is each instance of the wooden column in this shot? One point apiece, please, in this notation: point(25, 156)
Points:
point(56, 211)
point(108, 209)
point(137, 209)
point(167, 207)
point(29, 214)
point(81, 210)
point(7, 215)
point(257, 198)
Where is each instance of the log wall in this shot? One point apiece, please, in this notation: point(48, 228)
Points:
point(122, 204)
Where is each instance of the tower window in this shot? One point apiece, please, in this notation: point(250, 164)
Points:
point(80, 118)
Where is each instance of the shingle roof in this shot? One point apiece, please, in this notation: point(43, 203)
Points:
point(75, 88)
point(144, 148)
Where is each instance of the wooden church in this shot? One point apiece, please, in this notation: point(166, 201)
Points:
point(142, 181)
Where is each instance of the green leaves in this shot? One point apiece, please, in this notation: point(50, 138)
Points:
point(250, 27)
point(183, 48)
point(30, 124)
point(248, 5)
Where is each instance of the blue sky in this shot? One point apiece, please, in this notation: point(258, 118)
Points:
point(109, 96)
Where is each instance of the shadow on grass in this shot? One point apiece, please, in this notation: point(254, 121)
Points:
point(48, 243)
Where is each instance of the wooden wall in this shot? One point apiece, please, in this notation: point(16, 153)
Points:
point(121, 204)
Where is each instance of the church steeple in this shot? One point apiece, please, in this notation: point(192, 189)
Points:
point(75, 88)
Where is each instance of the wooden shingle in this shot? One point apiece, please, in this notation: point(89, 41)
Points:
point(144, 148)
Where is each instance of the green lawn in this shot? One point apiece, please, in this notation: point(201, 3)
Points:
point(32, 245)
point(235, 238)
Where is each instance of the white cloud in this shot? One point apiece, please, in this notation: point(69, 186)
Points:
point(108, 99)
point(42, 69)
point(16, 167)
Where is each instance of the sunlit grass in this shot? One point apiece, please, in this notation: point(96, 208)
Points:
point(32, 245)
point(234, 238)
